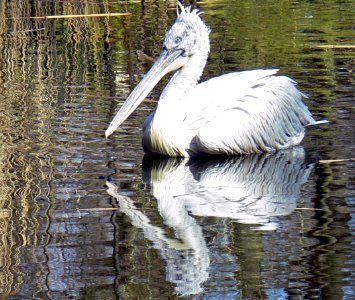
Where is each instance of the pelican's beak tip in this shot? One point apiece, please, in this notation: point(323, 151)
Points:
point(107, 133)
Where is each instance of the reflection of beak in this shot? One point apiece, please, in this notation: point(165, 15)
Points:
point(169, 60)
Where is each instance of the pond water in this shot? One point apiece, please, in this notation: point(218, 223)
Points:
point(272, 226)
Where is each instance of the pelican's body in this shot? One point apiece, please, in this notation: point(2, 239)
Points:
point(237, 113)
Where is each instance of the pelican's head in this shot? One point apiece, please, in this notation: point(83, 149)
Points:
point(189, 34)
point(188, 37)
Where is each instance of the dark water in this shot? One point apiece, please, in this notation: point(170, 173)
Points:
point(277, 226)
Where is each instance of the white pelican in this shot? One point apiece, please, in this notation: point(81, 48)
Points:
point(237, 113)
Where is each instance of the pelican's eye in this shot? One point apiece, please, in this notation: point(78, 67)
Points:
point(178, 40)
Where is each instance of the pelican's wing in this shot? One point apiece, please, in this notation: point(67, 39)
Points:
point(248, 112)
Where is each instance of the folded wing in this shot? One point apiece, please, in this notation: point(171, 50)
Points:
point(248, 112)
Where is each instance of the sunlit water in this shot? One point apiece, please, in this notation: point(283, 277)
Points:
point(276, 226)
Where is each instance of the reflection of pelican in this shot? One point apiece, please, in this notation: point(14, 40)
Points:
point(251, 189)
point(245, 112)
point(186, 256)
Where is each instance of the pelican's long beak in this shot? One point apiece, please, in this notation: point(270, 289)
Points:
point(168, 61)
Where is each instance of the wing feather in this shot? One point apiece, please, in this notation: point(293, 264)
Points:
point(247, 112)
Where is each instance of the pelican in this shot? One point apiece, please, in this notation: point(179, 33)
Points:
point(237, 113)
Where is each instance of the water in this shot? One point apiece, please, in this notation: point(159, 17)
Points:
point(260, 227)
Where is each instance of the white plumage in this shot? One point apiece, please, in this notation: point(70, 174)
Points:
point(238, 113)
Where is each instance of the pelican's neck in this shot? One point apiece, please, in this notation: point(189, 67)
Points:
point(183, 81)
point(161, 130)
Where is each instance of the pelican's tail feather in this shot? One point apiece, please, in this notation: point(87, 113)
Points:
point(316, 123)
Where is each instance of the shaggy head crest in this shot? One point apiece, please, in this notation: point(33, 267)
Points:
point(186, 9)
point(190, 16)
point(189, 32)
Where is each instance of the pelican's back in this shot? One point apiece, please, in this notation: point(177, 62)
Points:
point(250, 112)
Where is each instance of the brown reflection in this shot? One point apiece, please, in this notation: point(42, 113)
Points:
point(148, 39)
point(21, 169)
point(50, 73)
point(250, 251)
point(332, 255)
